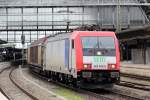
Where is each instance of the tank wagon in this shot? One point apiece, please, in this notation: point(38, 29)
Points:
point(87, 59)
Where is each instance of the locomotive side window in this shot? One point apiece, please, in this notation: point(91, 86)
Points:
point(72, 44)
point(67, 52)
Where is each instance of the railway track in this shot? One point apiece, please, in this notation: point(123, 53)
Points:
point(71, 87)
point(92, 93)
point(87, 92)
point(135, 76)
point(18, 86)
point(127, 96)
point(13, 81)
point(1, 71)
point(135, 85)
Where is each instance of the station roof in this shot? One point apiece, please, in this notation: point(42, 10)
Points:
point(2, 42)
point(7, 45)
point(135, 33)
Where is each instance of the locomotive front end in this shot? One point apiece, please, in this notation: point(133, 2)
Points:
point(100, 60)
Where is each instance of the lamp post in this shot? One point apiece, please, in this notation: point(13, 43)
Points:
point(23, 42)
point(118, 24)
point(67, 24)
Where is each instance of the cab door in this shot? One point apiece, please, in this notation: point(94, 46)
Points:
point(72, 66)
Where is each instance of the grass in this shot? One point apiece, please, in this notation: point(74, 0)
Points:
point(68, 94)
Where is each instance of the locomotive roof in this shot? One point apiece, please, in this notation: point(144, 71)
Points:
point(39, 41)
point(73, 35)
point(109, 33)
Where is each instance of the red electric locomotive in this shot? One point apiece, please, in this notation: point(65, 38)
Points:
point(88, 59)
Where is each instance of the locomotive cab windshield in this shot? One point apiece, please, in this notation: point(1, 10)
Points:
point(99, 52)
point(91, 46)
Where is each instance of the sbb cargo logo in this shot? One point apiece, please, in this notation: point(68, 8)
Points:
point(99, 59)
point(99, 62)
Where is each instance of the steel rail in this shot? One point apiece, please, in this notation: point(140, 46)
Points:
point(130, 97)
point(145, 78)
point(18, 86)
point(4, 69)
point(1, 90)
point(135, 85)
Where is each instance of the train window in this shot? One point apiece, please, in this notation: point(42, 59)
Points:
point(98, 42)
point(90, 42)
point(72, 44)
point(106, 42)
point(94, 44)
point(67, 52)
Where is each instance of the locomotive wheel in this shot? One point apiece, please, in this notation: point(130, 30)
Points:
point(77, 83)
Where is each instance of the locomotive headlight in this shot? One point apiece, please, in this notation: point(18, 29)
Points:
point(99, 53)
point(113, 66)
point(85, 66)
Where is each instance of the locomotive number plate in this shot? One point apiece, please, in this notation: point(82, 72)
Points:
point(99, 67)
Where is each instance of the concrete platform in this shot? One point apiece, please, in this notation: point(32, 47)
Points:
point(136, 69)
point(2, 97)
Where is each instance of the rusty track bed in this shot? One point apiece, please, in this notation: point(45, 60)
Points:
point(4, 69)
point(2, 91)
point(17, 85)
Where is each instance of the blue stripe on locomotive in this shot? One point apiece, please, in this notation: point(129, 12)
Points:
point(66, 52)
